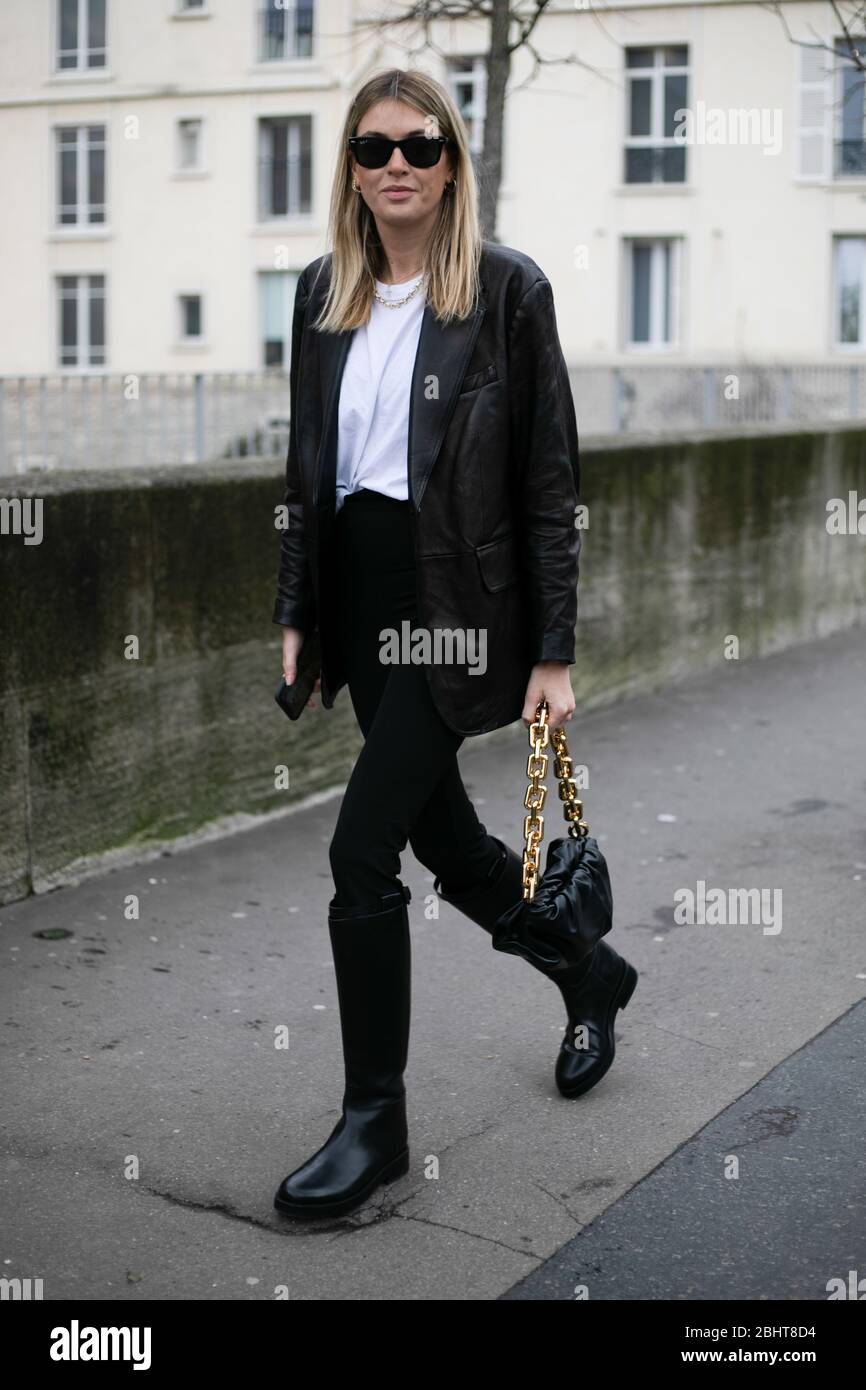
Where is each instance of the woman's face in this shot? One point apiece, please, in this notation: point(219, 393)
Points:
point(416, 205)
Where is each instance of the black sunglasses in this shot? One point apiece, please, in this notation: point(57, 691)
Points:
point(421, 151)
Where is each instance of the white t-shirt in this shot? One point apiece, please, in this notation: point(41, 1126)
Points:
point(373, 419)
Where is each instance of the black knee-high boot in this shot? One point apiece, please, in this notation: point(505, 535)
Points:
point(592, 990)
point(369, 1144)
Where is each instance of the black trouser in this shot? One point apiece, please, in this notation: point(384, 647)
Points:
point(406, 784)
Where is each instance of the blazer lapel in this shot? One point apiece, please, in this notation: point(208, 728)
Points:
point(443, 354)
point(444, 351)
point(333, 351)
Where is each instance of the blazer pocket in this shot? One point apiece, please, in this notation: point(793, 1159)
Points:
point(498, 563)
point(481, 378)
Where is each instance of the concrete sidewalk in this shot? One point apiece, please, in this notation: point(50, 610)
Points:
point(151, 1042)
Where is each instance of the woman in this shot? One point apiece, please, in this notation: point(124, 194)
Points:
point(432, 482)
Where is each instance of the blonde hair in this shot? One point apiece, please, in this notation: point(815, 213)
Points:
point(454, 247)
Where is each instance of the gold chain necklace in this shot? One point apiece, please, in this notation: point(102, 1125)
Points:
point(396, 303)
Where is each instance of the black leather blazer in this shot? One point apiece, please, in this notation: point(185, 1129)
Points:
point(493, 483)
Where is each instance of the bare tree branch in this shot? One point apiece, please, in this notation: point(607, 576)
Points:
point(512, 26)
point(425, 11)
point(527, 28)
point(854, 51)
point(540, 61)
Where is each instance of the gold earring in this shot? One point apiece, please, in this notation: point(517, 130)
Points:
point(355, 187)
point(451, 183)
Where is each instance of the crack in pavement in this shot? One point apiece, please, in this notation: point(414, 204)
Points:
point(215, 1208)
point(490, 1240)
point(383, 1212)
point(686, 1037)
point(560, 1202)
point(387, 1209)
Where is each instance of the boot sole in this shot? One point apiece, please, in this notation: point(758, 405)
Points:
point(624, 991)
point(397, 1168)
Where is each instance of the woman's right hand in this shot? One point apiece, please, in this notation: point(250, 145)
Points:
point(293, 640)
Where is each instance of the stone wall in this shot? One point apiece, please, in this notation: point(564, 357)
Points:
point(688, 543)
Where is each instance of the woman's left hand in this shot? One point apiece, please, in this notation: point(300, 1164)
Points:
point(549, 681)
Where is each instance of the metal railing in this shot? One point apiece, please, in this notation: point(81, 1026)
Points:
point(108, 420)
point(111, 420)
point(850, 157)
point(657, 398)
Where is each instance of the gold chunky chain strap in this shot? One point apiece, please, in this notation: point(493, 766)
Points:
point(536, 770)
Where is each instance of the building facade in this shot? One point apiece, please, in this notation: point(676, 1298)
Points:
point(694, 186)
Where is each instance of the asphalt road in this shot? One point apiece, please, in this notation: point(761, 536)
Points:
point(149, 1115)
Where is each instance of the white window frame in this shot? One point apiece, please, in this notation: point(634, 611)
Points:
point(259, 9)
point(656, 75)
point(477, 76)
point(835, 341)
point(289, 281)
point(839, 67)
point(82, 206)
point(183, 170)
point(83, 294)
point(825, 126)
point(83, 50)
point(263, 216)
point(676, 261)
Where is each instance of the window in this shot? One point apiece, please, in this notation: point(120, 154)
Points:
point(80, 152)
point(276, 303)
point(849, 294)
point(190, 317)
point(657, 83)
point(189, 145)
point(285, 30)
point(831, 111)
point(80, 34)
point(81, 319)
point(467, 79)
point(184, 5)
point(285, 166)
point(849, 144)
point(652, 274)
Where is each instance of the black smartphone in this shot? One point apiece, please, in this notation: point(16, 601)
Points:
point(292, 699)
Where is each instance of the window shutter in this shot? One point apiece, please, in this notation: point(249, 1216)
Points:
point(814, 113)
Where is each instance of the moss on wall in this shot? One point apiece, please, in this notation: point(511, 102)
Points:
point(688, 542)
